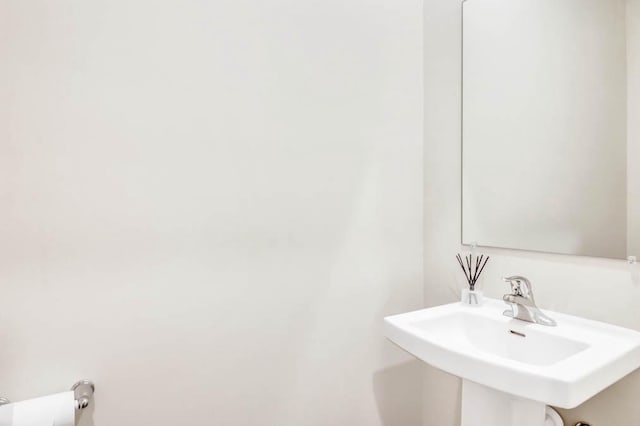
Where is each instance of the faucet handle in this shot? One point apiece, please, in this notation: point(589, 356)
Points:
point(520, 286)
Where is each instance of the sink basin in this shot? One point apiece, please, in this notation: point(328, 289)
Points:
point(561, 366)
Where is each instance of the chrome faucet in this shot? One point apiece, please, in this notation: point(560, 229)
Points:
point(523, 305)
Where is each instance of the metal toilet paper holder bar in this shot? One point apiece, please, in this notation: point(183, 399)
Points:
point(82, 393)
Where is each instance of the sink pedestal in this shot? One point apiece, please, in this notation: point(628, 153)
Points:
point(483, 406)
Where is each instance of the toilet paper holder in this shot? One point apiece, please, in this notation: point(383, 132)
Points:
point(82, 393)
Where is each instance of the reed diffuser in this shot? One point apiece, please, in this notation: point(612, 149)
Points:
point(472, 267)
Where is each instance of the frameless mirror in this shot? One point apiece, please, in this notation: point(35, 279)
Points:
point(550, 94)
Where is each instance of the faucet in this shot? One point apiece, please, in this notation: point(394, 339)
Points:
point(523, 305)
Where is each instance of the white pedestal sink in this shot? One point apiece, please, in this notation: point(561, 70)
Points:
point(483, 406)
point(512, 369)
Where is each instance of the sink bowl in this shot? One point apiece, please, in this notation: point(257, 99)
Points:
point(561, 366)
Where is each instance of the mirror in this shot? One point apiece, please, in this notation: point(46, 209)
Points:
point(550, 96)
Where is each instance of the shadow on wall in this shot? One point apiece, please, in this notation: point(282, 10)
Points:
point(398, 392)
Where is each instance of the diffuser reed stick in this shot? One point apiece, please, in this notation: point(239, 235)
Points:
point(472, 268)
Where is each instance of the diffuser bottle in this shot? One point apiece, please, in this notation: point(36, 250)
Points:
point(472, 267)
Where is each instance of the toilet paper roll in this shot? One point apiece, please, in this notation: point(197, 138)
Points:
point(52, 410)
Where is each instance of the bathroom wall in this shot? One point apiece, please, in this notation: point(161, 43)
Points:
point(595, 288)
point(633, 125)
point(208, 207)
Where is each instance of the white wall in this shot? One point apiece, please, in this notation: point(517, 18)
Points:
point(633, 125)
point(601, 289)
point(554, 141)
point(208, 207)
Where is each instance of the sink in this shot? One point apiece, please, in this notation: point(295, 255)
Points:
point(513, 366)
